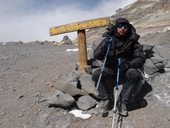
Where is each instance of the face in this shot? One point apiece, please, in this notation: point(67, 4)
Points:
point(122, 29)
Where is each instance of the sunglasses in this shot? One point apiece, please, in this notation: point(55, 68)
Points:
point(122, 25)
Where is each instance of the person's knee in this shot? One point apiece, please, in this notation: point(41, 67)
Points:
point(96, 74)
point(133, 74)
point(107, 74)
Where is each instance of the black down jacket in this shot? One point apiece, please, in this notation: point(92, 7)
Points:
point(128, 49)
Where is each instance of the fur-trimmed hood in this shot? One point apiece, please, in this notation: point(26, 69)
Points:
point(111, 32)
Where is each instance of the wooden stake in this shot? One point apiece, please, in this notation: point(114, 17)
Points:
point(82, 49)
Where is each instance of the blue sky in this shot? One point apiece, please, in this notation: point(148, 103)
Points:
point(30, 20)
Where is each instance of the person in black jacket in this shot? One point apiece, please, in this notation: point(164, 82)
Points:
point(123, 39)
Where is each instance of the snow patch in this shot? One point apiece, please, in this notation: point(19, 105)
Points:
point(146, 75)
point(72, 50)
point(3, 43)
point(76, 49)
point(80, 114)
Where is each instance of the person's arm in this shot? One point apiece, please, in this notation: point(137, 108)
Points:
point(138, 57)
point(99, 52)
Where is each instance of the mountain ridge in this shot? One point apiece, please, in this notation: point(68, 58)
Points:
point(147, 16)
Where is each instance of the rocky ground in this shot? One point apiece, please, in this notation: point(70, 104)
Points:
point(28, 73)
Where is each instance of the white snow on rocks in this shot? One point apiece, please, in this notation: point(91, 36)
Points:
point(80, 114)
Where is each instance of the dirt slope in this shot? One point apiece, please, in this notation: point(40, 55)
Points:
point(28, 73)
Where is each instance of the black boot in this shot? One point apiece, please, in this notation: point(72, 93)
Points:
point(106, 107)
point(122, 110)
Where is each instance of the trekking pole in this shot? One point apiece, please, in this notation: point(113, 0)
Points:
point(116, 92)
point(107, 52)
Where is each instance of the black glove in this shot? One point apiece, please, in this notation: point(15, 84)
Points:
point(123, 67)
point(109, 45)
point(109, 73)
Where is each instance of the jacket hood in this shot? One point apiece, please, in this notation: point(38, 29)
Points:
point(111, 31)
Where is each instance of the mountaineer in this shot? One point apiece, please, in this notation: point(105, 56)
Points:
point(123, 41)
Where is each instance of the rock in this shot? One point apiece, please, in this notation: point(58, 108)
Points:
point(167, 65)
point(90, 53)
point(72, 76)
point(69, 87)
point(148, 50)
point(157, 59)
point(149, 67)
point(66, 40)
point(21, 96)
point(94, 111)
point(86, 102)
point(88, 69)
point(3, 113)
point(88, 84)
point(20, 115)
point(154, 61)
point(47, 83)
point(19, 42)
point(41, 100)
point(94, 63)
point(60, 99)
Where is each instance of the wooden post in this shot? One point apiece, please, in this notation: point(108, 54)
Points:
point(82, 49)
point(80, 28)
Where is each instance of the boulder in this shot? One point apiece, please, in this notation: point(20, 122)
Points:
point(148, 50)
point(60, 99)
point(154, 61)
point(86, 102)
point(69, 87)
point(67, 40)
point(72, 76)
point(149, 67)
point(87, 84)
